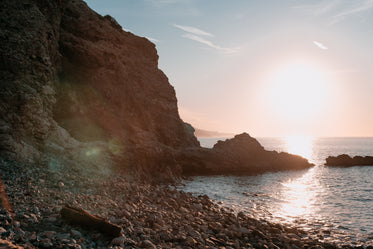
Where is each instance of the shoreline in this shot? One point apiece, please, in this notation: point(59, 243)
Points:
point(151, 216)
point(264, 207)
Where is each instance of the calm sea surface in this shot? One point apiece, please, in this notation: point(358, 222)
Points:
point(336, 201)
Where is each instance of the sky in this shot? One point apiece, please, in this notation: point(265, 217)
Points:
point(266, 67)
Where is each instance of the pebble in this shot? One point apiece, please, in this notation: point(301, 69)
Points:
point(118, 241)
point(75, 233)
point(148, 244)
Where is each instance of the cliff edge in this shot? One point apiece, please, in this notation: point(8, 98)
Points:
point(76, 88)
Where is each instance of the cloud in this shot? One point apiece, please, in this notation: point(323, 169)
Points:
point(319, 9)
point(193, 30)
point(197, 34)
point(320, 45)
point(366, 5)
point(337, 10)
point(210, 44)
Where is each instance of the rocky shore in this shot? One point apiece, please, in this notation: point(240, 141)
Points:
point(151, 216)
point(85, 116)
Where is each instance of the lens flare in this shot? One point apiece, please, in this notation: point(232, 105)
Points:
point(116, 146)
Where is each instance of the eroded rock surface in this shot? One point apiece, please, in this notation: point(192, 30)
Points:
point(76, 88)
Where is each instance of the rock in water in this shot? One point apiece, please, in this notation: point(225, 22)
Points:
point(347, 161)
point(242, 154)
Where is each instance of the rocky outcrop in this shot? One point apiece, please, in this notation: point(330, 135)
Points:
point(76, 88)
point(79, 92)
point(347, 161)
point(242, 154)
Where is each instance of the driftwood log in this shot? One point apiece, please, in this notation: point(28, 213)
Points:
point(78, 216)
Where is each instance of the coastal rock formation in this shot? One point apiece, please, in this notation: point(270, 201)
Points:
point(242, 154)
point(76, 88)
point(347, 161)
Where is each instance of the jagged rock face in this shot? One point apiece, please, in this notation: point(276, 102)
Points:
point(111, 78)
point(64, 67)
point(110, 82)
point(28, 65)
point(79, 92)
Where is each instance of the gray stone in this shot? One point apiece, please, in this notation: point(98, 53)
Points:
point(75, 233)
point(119, 241)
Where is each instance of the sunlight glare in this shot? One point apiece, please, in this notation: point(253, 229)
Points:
point(301, 196)
point(299, 145)
point(298, 91)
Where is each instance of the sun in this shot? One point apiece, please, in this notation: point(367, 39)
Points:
point(298, 91)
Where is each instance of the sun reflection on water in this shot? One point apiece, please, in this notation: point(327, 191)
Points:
point(300, 196)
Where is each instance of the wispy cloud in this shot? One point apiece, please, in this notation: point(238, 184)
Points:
point(193, 30)
point(210, 44)
point(357, 8)
point(197, 34)
point(338, 10)
point(320, 8)
point(320, 45)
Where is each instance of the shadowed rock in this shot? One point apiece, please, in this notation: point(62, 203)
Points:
point(242, 154)
point(77, 89)
point(347, 161)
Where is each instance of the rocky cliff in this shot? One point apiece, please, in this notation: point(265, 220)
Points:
point(79, 92)
point(76, 88)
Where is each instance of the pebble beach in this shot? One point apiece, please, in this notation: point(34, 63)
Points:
point(151, 216)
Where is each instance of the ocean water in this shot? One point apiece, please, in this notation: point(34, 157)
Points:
point(336, 203)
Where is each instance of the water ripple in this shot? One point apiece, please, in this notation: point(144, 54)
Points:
point(336, 202)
